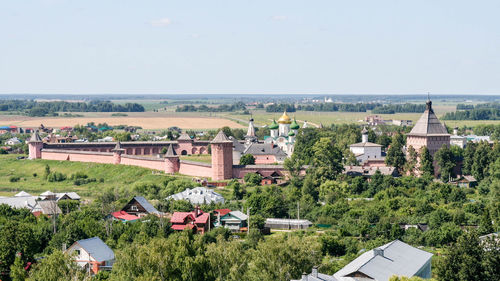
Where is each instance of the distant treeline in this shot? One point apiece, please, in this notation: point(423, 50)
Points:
point(35, 108)
point(203, 108)
point(462, 106)
point(474, 114)
point(348, 107)
point(399, 108)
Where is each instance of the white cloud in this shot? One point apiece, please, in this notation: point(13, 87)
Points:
point(279, 18)
point(161, 22)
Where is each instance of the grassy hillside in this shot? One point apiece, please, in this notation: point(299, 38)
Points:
point(113, 175)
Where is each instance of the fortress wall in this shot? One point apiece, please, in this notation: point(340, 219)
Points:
point(264, 159)
point(153, 163)
point(105, 158)
point(195, 169)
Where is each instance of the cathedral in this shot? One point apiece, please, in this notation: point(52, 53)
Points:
point(283, 133)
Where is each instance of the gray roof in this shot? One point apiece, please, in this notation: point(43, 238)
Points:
point(239, 215)
point(429, 124)
point(237, 146)
point(198, 195)
point(20, 202)
point(71, 195)
point(394, 258)
point(319, 277)
point(184, 136)
point(97, 249)
point(221, 138)
point(365, 144)
point(48, 207)
point(170, 152)
point(146, 205)
point(263, 149)
point(35, 137)
point(22, 194)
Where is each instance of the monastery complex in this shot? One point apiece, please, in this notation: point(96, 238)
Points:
point(226, 151)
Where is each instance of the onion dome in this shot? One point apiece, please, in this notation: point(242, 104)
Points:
point(284, 119)
point(274, 125)
point(294, 125)
point(291, 134)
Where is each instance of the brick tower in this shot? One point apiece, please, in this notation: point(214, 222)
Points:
point(222, 157)
point(117, 153)
point(172, 163)
point(35, 145)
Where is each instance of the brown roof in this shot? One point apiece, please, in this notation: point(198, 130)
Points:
point(221, 138)
point(429, 124)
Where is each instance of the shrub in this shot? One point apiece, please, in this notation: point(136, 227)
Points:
point(253, 178)
point(14, 178)
point(56, 176)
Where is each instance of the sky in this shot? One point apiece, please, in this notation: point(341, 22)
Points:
point(250, 47)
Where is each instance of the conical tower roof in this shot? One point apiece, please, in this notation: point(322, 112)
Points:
point(184, 136)
point(221, 138)
point(170, 152)
point(35, 137)
point(429, 124)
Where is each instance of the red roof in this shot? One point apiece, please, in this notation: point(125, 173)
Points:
point(180, 217)
point(122, 215)
point(182, 226)
point(202, 218)
point(223, 212)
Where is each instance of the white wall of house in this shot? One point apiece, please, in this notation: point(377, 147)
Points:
point(366, 152)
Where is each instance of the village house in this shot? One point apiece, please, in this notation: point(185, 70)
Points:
point(35, 204)
point(124, 216)
point(197, 220)
point(13, 141)
point(140, 207)
point(366, 151)
point(394, 258)
point(465, 181)
point(235, 221)
point(92, 254)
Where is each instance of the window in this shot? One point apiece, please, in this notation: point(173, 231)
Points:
point(77, 252)
point(134, 208)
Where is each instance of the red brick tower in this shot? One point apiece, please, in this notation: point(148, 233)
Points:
point(117, 153)
point(35, 145)
point(172, 163)
point(222, 157)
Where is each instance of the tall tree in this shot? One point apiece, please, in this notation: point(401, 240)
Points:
point(395, 155)
point(481, 160)
point(411, 161)
point(446, 162)
point(426, 165)
point(327, 160)
point(56, 267)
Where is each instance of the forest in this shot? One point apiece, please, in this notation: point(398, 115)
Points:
point(37, 108)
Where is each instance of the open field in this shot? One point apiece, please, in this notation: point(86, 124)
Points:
point(119, 176)
point(146, 120)
point(262, 117)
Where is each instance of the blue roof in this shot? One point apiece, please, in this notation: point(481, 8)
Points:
point(146, 205)
point(97, 249)
point(4, 128)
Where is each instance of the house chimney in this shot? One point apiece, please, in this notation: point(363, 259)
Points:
point(304, 277)
point(315, 271)
point(378, 252)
